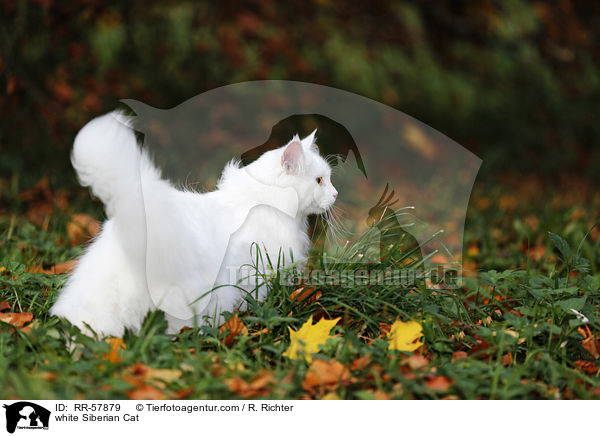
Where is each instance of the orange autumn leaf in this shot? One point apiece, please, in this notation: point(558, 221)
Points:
point(17, 320)
point(439, 383)
point(235, 327)
point(257, 387)
point(361, 363)
point(331, 396)
point(457, 355)
point(325, 376)
point(42, 201)
point(146, 392)
point(588, 367)
point(380, 395)
point(81, 228)
point(416, 361)
point(64, 267)
point(116, 345)
point(507, 359)
point(301, 294)
point(60, 268)
point(589, 342)
point(139, 372)
point(4, 305)
point(148, 382)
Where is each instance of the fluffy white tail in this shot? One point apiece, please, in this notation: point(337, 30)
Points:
point(108, 159)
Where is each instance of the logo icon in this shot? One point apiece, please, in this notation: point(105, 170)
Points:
point(26, 415)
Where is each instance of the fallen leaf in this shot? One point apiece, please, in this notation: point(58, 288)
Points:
point(301, 293)
point(235, 327)
point(589, 342)
point(146, 392)
point(439, 383)
point(380, 395)
point(416, 361)
point(257, 387)
point(17, 320)
point(4, 305)
point(457, 355)
point(404, 336)
point(586, 366)
point(325, 376)
point(473, 249)
point(40, 201)
point(361, 363)
point(46, 375)
point(306, 341)
point(81, 228)
point(148, 381)
point(260, 332)
point(116, 345)
point(507, 359)
point(61, 268)
point(162, 376)
point(331, 396)
point(64, 267)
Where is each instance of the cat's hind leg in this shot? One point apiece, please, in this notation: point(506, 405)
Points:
point(107, 292)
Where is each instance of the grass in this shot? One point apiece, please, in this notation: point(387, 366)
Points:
point(509, 332)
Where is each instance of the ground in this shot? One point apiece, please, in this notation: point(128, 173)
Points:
point(523, 324)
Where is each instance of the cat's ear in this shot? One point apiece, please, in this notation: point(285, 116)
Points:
point(292, 157)
point(309, 142)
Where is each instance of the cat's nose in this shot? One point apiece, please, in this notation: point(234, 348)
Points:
point(335, 195)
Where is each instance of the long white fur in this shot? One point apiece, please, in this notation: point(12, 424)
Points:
point(165, 248)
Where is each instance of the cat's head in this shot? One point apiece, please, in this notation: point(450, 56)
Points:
point(299, 165)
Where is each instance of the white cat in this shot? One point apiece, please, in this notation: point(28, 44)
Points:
point(165, 248)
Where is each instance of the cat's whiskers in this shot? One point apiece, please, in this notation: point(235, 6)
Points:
point(336, 229)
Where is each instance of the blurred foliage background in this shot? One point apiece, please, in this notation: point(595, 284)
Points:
point(517, 82)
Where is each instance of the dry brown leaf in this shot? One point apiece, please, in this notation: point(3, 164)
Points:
point(17, 320)
point(4, 305)
point(324, 376)
point(148, 381)
point(235, 327)
point(380, 395)
point(46, 375)
point(361, 363)
point(537, 252)
point(258, 386)
point(42, 201)
point(260, 332)
point(64, 267)
point(457, 355)
point(439, 383)
point(590, 343)
point(416, 361)
point(81, 228)
point(507, 359)
point(586, 366)
point(61, 268)
point(301, 293)
point(384, 329)
point(146, 392)
point(331, 396)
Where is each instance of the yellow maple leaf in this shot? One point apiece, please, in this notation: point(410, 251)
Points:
point(306, 341)
point(404, 336)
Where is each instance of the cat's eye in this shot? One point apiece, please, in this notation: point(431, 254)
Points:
point(319, 180)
